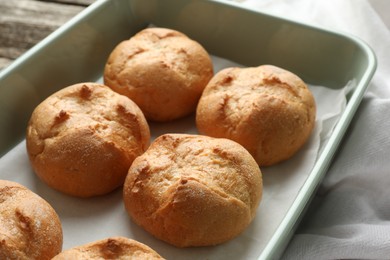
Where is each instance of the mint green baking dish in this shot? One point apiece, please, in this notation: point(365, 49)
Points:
point(77, 51)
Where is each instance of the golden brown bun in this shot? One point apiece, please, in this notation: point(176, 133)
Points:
point(192, 190)
point(110, 248)
point(83, 139)
point(29, 226)
point(162, 70)
point(268, 110)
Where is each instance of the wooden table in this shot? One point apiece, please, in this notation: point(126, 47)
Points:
point(23, 23)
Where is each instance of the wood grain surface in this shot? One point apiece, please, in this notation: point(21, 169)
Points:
point(23, 23)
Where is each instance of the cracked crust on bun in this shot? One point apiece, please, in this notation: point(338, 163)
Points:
point(193, 190)
point(162, 70)
point(268, 110)
point(82, 139)
point(110, 248)
point(29, 227)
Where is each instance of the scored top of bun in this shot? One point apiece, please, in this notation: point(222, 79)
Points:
point(110, 248)
point(192, 190)
point(268, 110)
point(29, 227)
point(160, 69)
point(82, 139)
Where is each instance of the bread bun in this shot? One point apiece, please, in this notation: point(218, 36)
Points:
point(162, 70)
point(268, 110)
point(82, 139)
point(29, 226)
point(192, 190)
point(110, 248)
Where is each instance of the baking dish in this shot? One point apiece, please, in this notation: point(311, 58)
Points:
point(77, 51)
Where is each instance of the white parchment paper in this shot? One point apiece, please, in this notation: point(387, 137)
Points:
point(87, 220)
